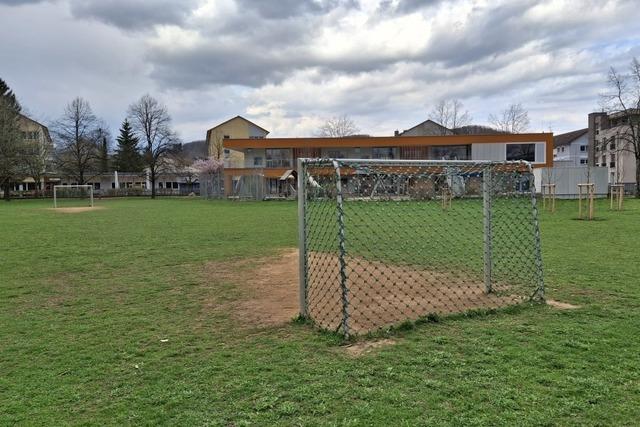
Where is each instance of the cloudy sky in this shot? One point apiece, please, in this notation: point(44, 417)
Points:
point(290, 64)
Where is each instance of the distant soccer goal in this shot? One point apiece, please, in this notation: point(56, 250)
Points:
point(383, 242)
point(72, 195)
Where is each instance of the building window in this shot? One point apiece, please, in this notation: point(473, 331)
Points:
point(160, 184)
point(226, 137)
point(336, 154)
point(562, 149)
point(583, 161)
point(450, 152)
point(525, 152)
point(612, 164)
point(583, 148)
point(226, 151)
point(257, 161)
point(278, 158)
point(383, 153)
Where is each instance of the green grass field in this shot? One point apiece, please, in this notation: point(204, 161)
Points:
point(117, 317)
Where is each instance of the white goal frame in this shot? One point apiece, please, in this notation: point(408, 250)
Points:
point(55, 192)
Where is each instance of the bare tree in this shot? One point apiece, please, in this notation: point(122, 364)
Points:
point(216, 147)
point(513, 119)
point(451, 114)
point(152, 123)
point(10, 139)
point(624, 101)
point(338, 127)
point(77, 134)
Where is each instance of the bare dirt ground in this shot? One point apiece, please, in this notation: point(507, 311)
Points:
point(379, 294)
point(77, 209)
point(271, 290)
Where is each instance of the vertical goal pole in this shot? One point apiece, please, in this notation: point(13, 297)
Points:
point(536, 231)
point(55, 201)
point(302, 244)
point(91, 194)
point(486, 208)
point(342, 249)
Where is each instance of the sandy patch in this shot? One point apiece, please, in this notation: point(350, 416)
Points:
point(77, 209)
point(382, 294)
point(271, 290)
point(562, 305)
point(379, 294)
point(364, 347)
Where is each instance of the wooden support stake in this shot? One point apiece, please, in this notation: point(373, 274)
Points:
point(549, 197)
point(617, 196)
point(588, 191)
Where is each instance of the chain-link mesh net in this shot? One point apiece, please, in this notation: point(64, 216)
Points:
point(73, 195)
point(389, 241)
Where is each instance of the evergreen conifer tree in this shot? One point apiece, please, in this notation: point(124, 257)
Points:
point(127, 157)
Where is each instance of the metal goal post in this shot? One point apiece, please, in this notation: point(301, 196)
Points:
point(383, 242)
point(75, 191)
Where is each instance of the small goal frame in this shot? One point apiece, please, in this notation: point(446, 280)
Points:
point(87, 186)
point(382, 244)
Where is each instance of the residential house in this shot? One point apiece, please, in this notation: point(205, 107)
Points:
point(608, 147)
point(571, 148)
point(235, 128)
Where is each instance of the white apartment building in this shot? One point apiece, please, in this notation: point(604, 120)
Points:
point(571, 149)
point(608, 148)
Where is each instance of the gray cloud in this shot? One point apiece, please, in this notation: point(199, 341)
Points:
point(134, 14)
point(20, 2)
point(265, 58)
point(282, 9)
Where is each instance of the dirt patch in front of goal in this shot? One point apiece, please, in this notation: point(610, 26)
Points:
point(383, 294)
point(271, 290)
point(78, 209)
point(379, 294)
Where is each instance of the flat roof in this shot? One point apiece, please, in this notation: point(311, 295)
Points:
point(386, 141)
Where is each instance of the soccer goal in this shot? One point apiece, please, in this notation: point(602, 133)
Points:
point(72, 195)
point(383, 242)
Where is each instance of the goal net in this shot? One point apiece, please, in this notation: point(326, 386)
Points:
point(72, 196)
point(383, 242)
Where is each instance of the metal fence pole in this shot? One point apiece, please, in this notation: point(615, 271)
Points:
point(488, 238)
point(342, 249)
point(302, 245)
point(536, 231)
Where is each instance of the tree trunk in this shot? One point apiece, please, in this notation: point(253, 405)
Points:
point(7, 191)
point(638, 177)
point(153, 185)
